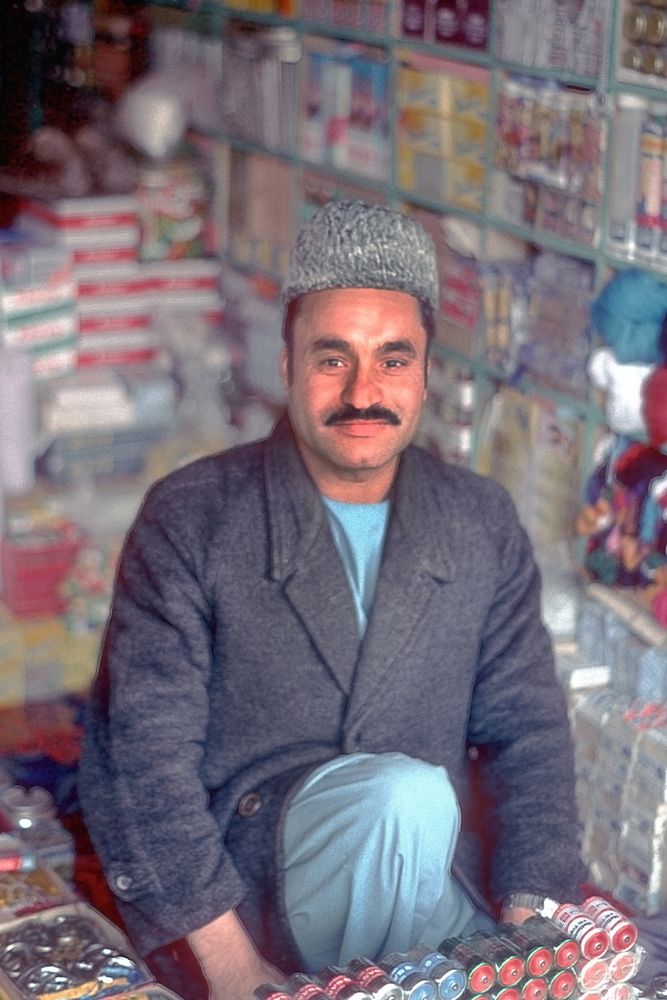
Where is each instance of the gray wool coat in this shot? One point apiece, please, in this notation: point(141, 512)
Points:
point(231, 666)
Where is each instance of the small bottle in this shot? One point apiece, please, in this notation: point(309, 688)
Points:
point(632, 58)
point(634, 25)
point(31, 815)
point(652, 62)
point(413, 18)
point(448, 22)
point(475, 25)
point(656, 27)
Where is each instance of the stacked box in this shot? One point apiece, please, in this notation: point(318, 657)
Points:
point(189, 286)
point(34, 565)
point(103, 421)
point(115, 320)
point(38, 303)
point(344, 120)
point(100, 229)
point(642, 846)
point(441, 132)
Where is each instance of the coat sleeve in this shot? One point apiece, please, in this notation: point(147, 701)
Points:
point(519, 718)
point(145, 733)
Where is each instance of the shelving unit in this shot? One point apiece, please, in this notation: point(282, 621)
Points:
point(382, 30)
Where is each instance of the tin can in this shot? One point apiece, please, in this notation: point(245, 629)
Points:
point(593, 940)
point(299, 986)
point(424, 958)
point(591, 973)
point(417, 986)
point(268, 991)
point(534, 989)
point(623, 966)
point(509, 965)
point(450, 979)
point(374, 979)
point(539, 958)
point(480, 973)
point(339, 985)
point(566, 951)
point(561, 984)
point(397, 964)
point(621, 930)
point(506, 993)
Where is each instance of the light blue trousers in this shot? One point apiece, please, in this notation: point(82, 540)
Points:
point(369, 842)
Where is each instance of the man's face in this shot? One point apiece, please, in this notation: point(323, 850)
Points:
point(356, 387)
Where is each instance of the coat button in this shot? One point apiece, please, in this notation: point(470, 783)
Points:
point(250, 804)
point(123, 883)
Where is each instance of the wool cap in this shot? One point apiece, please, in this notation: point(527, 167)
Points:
point(351, 244)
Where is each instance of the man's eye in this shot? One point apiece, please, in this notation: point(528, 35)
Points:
point(331, 362)
point(395, 363)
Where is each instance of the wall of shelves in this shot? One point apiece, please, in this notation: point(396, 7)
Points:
point(435, 159)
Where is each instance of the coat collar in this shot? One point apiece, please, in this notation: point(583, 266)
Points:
point(416, 560)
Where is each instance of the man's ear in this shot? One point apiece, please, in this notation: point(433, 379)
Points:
point(428, 375)
point(284, 368)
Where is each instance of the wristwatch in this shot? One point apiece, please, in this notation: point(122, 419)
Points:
point(530, 901)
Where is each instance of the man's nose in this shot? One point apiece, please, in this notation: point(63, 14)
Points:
point(361, 388)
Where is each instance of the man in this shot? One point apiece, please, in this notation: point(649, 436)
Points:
point(308, 636)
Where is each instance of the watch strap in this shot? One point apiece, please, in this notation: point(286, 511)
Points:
point(530, 901)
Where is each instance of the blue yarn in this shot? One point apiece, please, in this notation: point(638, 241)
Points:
point(628, 313)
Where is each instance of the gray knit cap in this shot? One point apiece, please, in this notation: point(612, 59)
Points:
point(349, 244)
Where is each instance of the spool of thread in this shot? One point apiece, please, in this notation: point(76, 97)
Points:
point(593, 940)
point(622, 932)
point(17, 418)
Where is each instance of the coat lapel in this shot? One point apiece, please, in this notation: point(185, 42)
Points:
point(415, 564)
point(304, 558)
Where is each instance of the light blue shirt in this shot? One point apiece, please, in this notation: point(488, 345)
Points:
point(358, 530)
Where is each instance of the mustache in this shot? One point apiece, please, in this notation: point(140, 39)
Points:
point(349, 413)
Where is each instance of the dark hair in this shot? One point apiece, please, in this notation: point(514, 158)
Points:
point(292, 311)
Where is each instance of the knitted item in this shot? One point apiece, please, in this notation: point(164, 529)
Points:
point(629, 313)
point(356, 245)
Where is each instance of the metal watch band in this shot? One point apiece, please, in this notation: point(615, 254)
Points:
point(530, 901)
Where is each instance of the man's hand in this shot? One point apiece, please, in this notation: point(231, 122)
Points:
point(232, 965)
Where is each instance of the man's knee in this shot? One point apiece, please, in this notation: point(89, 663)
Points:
point(405, 787)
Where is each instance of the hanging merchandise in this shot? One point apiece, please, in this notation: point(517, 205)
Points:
point(622, 518)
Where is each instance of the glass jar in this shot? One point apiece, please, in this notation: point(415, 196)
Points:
point(31, 815)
